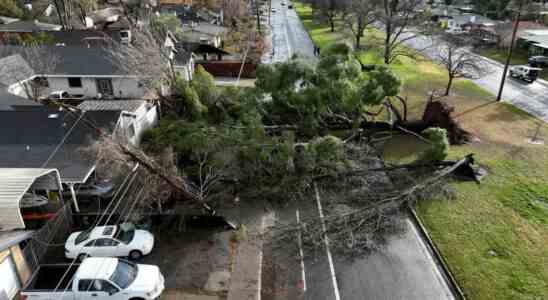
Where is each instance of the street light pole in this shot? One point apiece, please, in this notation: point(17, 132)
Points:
point(257, 11)
point(510, 51)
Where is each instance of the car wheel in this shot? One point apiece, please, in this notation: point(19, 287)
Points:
point(82, 256)
point(135, 254)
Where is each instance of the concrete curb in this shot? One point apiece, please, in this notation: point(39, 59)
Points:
point(455, 288)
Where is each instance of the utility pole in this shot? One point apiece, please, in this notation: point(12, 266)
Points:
point(514, 32)
point(269, 10)
point(257, 11)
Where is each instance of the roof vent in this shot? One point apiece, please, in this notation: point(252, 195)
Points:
point(28, 147)
point(53, 116)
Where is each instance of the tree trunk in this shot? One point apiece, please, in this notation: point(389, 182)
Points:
point(387, 49)
point(332, 23)
point(358, 38)
point(449, 84)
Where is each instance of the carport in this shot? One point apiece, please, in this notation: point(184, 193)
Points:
point(14, 183)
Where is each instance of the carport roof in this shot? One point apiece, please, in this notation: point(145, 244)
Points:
point(14, 183)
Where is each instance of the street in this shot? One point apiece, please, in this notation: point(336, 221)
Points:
point(404, 269)
point(288, 35)
point(531, 97)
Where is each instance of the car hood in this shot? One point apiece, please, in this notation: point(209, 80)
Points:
point(147, 280)
point(69, 244)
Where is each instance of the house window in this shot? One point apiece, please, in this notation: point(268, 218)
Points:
point(75, 82)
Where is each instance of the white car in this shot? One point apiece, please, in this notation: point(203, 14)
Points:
point(104, 278)
point(109, 241)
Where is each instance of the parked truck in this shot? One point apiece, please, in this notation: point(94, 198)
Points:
point(104, 278)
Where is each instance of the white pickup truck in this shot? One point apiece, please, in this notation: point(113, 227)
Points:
point(104, 278)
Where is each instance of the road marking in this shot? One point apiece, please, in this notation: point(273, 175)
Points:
point(326, 241)
point(300, 242)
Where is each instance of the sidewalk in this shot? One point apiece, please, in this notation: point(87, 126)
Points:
point(245, 283)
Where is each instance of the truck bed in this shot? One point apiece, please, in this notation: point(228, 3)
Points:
point(48, 277)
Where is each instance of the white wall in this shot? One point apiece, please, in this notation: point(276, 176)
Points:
point(145, 117)
point(186, 71)
point(122, 87)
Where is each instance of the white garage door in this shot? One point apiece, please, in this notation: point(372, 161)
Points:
point(9, 283)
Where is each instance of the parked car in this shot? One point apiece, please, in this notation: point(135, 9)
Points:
point(538, 61)
point(283, 3)
point(95, 278)
point(526, 73)
point(103, 189)
point(273, 10)
point(290, 6)
point(109, 241)
point(30, 200)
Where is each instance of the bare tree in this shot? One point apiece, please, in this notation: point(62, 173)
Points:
point(146, 57)
point(398, 17)
point(358, 15)
point(454, 54)
point(329, 9)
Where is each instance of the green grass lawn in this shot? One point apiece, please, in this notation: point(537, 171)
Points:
point(494, 235)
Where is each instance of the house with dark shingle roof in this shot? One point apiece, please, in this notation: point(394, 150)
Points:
point(39, 133)
point(88, 72)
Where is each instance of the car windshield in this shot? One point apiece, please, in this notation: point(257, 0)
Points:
point(84, 235)
point(124, 274)
point(125, 236)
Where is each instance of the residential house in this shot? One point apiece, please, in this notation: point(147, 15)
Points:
point(136, 116)
point(467, 21)
point(504, 31)
point(53, 139)
point(536, 41)
point(205, 33)
point(89, 72)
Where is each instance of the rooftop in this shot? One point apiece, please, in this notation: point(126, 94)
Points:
point(12, 102)
point(111, 105)
point(28, 26)
point(75, 60)
point(52, 139)
point(13, 68)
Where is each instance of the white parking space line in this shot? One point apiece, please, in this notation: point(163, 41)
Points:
point(301, 254)
point(326, 241)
